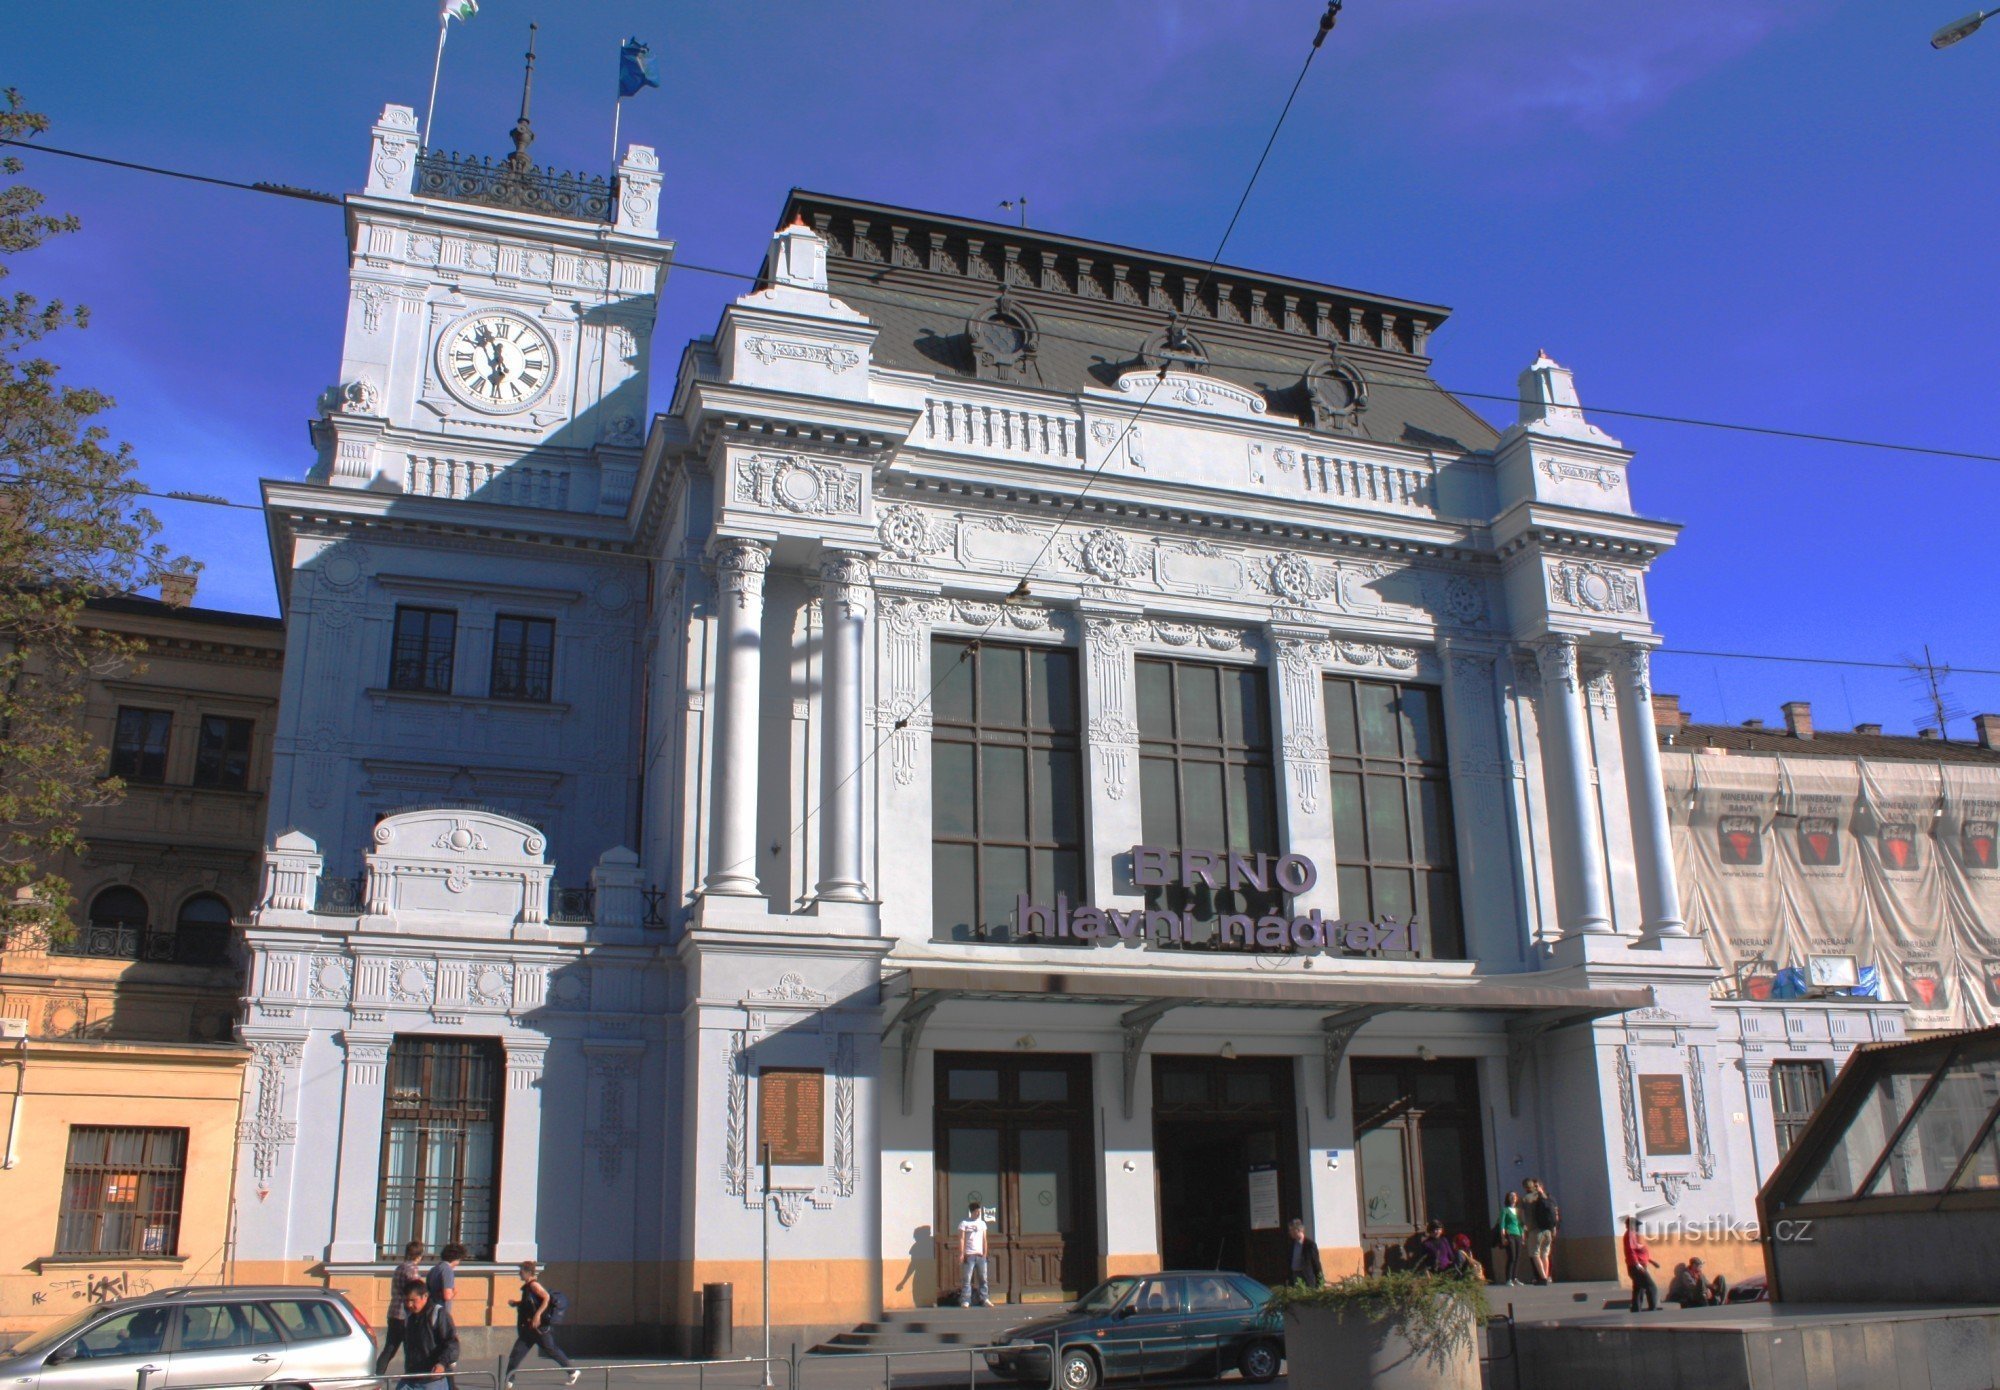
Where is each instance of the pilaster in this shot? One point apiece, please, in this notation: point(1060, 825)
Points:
point(356, 1195)
point(520, 1152)
point(1111, 740)
point(1305, 809)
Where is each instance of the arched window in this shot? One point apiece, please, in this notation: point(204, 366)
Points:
point(201, 931)
point(117, 925)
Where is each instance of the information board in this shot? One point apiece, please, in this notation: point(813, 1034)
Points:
point(791, 1115)
point(1663, 1110)
point(1264, 1214)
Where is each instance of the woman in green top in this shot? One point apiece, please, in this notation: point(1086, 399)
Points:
point(1510, 1235)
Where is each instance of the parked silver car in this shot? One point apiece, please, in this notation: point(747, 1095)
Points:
point(181, 1338)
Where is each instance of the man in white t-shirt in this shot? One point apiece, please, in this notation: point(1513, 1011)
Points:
point(972, 1256)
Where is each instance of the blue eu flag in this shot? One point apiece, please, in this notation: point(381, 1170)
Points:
point(635, 68)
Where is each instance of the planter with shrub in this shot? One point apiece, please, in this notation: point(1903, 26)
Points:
point(1398, 1331)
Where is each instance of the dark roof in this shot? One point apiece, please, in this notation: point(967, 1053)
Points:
point(1828, 744)
point(154, 608)
point(920, 276)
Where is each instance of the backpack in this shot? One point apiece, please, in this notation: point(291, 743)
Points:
point(558, 1308)
point(1548, 1216)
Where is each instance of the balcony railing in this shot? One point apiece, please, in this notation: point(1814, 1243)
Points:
point(116, 941)
point(339, 897)
point(467, 179)
point(570, 906)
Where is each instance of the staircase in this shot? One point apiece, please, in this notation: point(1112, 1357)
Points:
point(934, 1329)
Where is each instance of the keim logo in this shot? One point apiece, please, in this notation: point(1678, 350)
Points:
point(1899, 845)
point(1742, 839)
point(1819, 841)
point(1977, 841)
point(1926, 980)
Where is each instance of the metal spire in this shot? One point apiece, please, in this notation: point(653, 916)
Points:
point(524, 134)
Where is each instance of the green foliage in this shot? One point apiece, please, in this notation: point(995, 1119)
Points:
point(1437, 1314)
point(69, 532)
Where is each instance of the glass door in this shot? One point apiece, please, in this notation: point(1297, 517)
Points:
point(1420, 1146)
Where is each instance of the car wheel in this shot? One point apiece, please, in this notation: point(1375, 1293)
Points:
point(1259, 1361)
point(1079, 1370)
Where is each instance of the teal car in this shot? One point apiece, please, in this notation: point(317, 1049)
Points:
point(1193, 1324)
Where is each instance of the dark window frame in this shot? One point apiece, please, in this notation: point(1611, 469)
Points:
point(519, 671)
point(1060, 734)
point(439, 1088)
point(220, 764)
point(1237, 762)
point(1788, 1116)
point(1368, 866)
point(85, 1220)
point(142, 740)
point(423, 649)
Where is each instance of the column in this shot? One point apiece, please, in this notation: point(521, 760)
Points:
point(1581, 893)
point(1305, 808)
point(739, 633)
point(356, 1197)
point(844, 599)
point(520, 1156)
point(1652, 837)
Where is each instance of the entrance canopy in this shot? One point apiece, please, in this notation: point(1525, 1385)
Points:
point(1345, 1004)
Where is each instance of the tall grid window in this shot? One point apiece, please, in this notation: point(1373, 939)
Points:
point(1392, 828)
point(1205, 775)
point(1797, 1088)
point(440, 1135)
point(222, 756)
point(421, 656)
point(1006, 790)
point(139, 744)
point(121, 1191)
point(524, 658)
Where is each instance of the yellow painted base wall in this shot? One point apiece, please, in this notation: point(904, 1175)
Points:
point(149, 1085)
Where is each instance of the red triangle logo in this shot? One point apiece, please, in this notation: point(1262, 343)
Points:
point(1926, 988)
point(1898, 852)
point(1759, 986)
point(1982, 850)
point(1739, 845)
point(1822, 845)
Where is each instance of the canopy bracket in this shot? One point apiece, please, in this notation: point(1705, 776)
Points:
point(1135, 1024)
point(1339, 1030)
point(910, 1019)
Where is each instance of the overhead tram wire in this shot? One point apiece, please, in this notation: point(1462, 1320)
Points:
point(1290, 365)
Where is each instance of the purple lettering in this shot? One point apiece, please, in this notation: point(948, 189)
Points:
point(1200, 864)
point(1296, 873)
point(1253, 869)
point(1150, 866)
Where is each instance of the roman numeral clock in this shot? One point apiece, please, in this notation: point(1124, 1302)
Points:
point(496, 361)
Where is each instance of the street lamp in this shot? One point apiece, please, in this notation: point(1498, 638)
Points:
point(1960, 29)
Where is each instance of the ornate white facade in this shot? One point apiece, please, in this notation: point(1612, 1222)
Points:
point(917, 429)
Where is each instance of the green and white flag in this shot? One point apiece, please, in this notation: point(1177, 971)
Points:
point(460, 10)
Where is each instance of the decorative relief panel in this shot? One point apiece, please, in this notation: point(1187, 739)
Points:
point(1593, 588)
point(839, 1176)
point(612, 1076)
point(798, 485)
point(768, 350)
point(268, 1130)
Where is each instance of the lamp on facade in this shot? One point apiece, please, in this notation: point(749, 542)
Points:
point(1229, 1052)
point(1424, 1054)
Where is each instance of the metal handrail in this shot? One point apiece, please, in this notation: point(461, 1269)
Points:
point(701, 1369)
point(970, 1353)
point(460, 1380)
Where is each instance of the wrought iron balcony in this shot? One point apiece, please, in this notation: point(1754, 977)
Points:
point(570, 906)
point(520, 186)
point(116, 941)
point(338, 897)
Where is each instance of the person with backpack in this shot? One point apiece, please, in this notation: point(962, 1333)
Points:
point(537, 1311)
point(1544, 1220)
point(407, 1273)
point(430, 1339)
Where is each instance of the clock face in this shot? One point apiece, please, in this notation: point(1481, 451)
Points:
point(497, 362)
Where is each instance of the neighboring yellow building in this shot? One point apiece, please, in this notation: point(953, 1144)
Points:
point(120, 1083)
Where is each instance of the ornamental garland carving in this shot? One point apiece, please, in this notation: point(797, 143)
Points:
point(1560, 471)
point(841, 1174)
point(910, 535)
point(1593, 588)
point(789, 483)
point(268, 1132)
point(769, 350)
point(1105, 554)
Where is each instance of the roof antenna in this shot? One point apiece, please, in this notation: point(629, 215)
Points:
point(524, 134)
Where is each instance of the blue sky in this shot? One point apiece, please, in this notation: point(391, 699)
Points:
point(1771, 211)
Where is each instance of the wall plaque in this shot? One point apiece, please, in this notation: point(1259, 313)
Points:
point(791, 1115)
point(1663, 1109)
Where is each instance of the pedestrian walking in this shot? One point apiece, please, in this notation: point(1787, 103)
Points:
point(1305, 1257)
point(430, 1339)
point(536, 1313)
point(408, 1274)
point(1639, 1263)
point(441, 1287)
point(972, 1256)
point(1544, 1220)
point(1511, 1230)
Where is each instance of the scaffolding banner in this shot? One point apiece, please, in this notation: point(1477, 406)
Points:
point(1894, 864)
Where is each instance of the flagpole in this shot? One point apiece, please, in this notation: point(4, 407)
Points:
point(444, 27)
point(617, 114)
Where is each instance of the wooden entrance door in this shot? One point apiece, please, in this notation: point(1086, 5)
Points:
point(1013, 1133)
point(1421, 1152)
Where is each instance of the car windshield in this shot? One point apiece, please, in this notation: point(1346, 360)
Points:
point(50, 1336)
point(1105, 1296)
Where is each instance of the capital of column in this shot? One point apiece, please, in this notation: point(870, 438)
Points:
point(1634, 668)
point(1556, 660)
point(846, 579)
point(740, 565)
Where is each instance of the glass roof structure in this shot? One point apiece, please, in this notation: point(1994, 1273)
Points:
point(1906, 1126)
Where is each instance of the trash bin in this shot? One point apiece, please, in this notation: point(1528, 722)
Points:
point(718, 1321)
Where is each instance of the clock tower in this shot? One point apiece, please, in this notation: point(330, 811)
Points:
point(499, 324)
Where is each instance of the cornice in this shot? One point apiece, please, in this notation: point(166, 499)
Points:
point(820, 424)
point(1554, 529)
